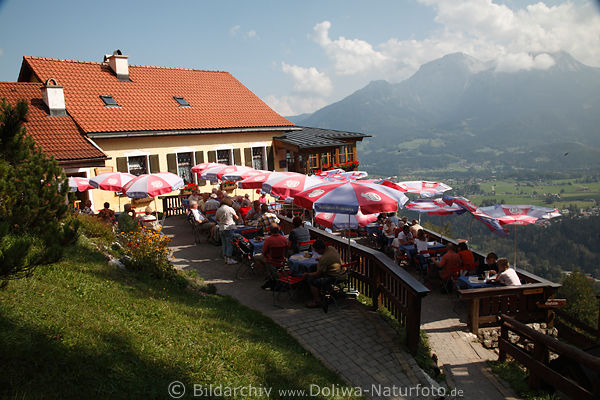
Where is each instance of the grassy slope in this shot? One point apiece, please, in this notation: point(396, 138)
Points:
point(83, 329)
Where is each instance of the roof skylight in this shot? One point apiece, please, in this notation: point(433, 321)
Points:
point(109, 101)
point(182, 102)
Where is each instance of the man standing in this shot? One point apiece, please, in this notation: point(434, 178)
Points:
point(226, 218)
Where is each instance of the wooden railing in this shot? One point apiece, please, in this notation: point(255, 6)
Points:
point(172, 205)
point(575, 331)
point(521, 302)
point(378, 277)
point(583, 382)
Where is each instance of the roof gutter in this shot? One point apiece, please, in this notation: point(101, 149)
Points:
point(111, 135)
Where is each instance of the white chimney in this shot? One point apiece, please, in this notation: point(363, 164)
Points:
point(118, 63)
point(54, 97)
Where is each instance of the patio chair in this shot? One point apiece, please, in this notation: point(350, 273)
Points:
point(338, 288)
point(282, 279)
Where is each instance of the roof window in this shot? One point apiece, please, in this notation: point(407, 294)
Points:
point(109, 101)
point(182, 102)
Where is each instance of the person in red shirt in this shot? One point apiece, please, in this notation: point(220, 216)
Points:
point(449, 264)
point(466, 256)
point(271, 248)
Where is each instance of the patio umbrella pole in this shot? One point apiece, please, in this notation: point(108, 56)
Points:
point(471, 229)
point(515, 266)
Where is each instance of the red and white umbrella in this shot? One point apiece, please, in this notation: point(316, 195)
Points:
point(236, 173)
point(329, 172)
point(348, 197)
point(423, 188)
point(434, 207)
point(79, 184)
point(152, 185)
point(275, 177)
point(198, 169)
point(254, 182)
point(342, 221)
point(112, 181)
point(210, 174)
point(293, 184)
point(507, 214)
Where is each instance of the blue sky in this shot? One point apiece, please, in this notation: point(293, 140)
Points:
point(299, 55)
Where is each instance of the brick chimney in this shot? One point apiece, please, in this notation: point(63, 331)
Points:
point(54, 97)
point(118, 63)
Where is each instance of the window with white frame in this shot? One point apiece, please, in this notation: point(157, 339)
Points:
point(137, 165)
point(224, 156)
point(259, 158)
point(184, 166)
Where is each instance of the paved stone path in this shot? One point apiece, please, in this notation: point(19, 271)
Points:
point(350, 339)
point(460, 355)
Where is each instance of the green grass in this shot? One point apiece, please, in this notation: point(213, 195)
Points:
point(82, 329)
point(516, 376)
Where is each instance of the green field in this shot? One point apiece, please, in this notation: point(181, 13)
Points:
point(582, 195)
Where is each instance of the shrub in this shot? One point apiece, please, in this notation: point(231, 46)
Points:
point(149, 251)
point(92, 227)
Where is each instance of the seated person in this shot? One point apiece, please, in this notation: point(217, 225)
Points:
point(466, 256)
point(421, 245)
point(202, 223)
point(449, 265)
point(329, 269)
point(506, 275)
point(255, 213)
point(107, 215)
point(297, 235)
point(246, 202)
point(387, 234)
point(415, 227)
point(212, 204)
point(149, 221)
point(127, 220)
point(394, 218)
point(405, 237)
point(195, 196)
point(266, 219)
point(275, 240)
point(88, 208)
point(490, 264)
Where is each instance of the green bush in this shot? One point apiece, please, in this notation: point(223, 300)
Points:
point(149, 251)
point(93, 227)
point(578, 289)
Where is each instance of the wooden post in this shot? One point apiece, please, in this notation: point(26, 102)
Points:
point(474, 313)
point(413, 318)
point(540, 353)
point(503, 336)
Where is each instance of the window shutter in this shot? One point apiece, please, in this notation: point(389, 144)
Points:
point(199, 157)
point(270, 159)
point(237, 157)
point(122, 164)
point(212, 156)
point(199, 160)
point(248, 157)
point(154, 163)
point(172, 163)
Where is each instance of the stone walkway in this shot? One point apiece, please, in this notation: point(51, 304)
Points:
point(351, 339)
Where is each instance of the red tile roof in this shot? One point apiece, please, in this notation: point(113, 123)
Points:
point(57, 136)
point(217, 99)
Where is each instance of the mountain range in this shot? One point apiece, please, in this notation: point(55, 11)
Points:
point(457, 113)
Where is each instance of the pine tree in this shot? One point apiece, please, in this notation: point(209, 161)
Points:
point(32, 197)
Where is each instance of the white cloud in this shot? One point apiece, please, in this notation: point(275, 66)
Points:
point(350, 56)
point(308, 80)
point(234, 30)
point(251, 34)
point(294, 105)
point(480, 28)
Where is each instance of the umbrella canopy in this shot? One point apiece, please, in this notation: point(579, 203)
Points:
point(329, 172)
point(79, 184)
point(200, 168)
point(238, 173)
point(341, 221)
point(293, 184)
point(112, 181)
point(275, 177)
point(348, 197)
point(490, 222)
point(210, 174)
point(151, 185)
point(519, 214)
point(254, 182)
point(434, 207)
point(423, 188)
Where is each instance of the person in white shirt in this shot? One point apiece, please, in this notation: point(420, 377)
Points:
point(421, 241)
point(415, 227)
point(203, 225)
point(149, 221)
point(506, 275)
point(405, 237)
point(226, 217)
point(389, 229)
